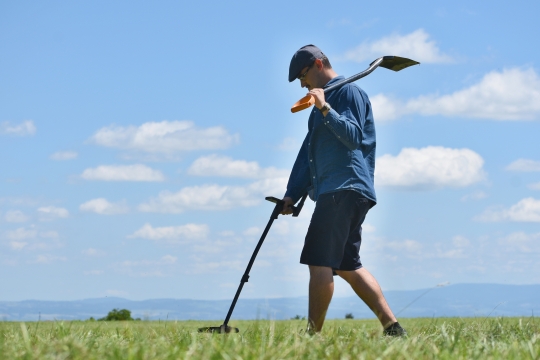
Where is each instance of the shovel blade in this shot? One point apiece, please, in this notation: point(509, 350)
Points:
point(397, 63)
point(303, 103)
point(219, 329)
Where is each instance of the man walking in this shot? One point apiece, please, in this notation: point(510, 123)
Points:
point(335, 165)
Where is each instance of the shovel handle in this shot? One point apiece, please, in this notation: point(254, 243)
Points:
point(303, 103)
point(295, 209)
point(391, 62)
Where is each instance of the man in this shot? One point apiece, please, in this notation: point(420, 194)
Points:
point(335, 165)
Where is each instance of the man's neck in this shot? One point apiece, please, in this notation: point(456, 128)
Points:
point(328, 75)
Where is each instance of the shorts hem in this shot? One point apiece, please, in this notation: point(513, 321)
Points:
point(355, 268)
point(313, 264)
point(332, 267)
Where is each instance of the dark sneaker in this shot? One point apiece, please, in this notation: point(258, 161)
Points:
point(395, 330)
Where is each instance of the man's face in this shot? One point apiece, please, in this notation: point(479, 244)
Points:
point(307, 77)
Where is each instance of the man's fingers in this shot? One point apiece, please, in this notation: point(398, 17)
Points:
point(318, 94)
point(287, 203)
point(286, 210)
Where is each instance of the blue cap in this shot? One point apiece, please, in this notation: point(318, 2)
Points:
point(305, 56)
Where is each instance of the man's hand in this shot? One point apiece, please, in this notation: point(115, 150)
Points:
point(288, 202)
point(318, 95)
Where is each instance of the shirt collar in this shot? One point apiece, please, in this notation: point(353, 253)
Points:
point(334, 80)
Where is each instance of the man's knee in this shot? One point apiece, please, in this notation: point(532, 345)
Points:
point(348, 275)
point(344, 274)
point(320, 272)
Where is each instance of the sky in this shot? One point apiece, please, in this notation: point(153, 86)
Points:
point(139, 139)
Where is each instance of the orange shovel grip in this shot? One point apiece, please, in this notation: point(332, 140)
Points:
point(303, 103)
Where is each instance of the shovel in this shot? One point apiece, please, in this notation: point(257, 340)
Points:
point(394, 63)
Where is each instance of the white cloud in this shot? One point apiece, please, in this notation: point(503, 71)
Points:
point(458, 248)
point(407, 245)
point(117, 293)
point(460, 241)
point(93, 272)
point(429, 167)
point(48, 259)
point(25, 128)
point(535, 186)
point(227, 233)
point(21, 234)
point(18, 245)
point(368, 228)
point(168, 259)
point(252, 231)
point(524, 165)
point(215, 197)
point(217, 165)
point(416, 46)
point(164, 137)
point(477, 195)
point(526, 210)
point(281, 228)
point(104, 207)
point(15, 216)
point(289, 144)
point(513, 94)
point(525, 243)
point(48, 234)
point(172, 234)
point(25, 238)
point(19, 201)
point(409, 248)
point(455, 253)
point(215, 266)
point(64, 155)
point(385, 108)
point(93, 252)
point(51, 212)
point(150, 268)
point(137, 172)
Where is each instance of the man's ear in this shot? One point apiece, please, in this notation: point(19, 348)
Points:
point(319, 64)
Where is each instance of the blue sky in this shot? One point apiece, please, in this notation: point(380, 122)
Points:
point(138, 141)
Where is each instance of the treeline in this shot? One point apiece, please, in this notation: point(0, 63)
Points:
point(117, 315)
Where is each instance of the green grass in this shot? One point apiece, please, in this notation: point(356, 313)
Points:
point(443, 338)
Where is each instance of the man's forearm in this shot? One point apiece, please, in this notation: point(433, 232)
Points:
point(347, 130)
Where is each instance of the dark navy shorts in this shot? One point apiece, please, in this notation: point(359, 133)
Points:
point(335, 232)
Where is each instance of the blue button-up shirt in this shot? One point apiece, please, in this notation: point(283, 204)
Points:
point(338, 152)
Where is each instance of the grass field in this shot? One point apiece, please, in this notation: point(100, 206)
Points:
point(443, 338)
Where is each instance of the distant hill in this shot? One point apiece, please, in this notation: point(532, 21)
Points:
point(463, 300)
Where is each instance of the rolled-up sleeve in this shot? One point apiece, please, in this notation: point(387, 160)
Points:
point(344, 121)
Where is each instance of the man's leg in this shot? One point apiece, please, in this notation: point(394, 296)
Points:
point(368, 289)
point(321, 289)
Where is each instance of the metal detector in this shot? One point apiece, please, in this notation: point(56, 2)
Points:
point(225, 328)
point(394, 63)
